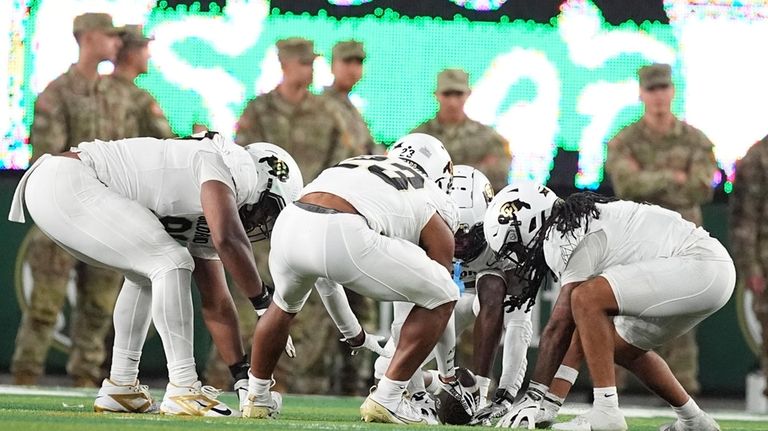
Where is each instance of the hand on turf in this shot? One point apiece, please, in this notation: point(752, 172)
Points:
point(523, 412)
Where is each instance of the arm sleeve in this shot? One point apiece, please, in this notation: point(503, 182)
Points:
point(586, 258)
point(202, 251)
point(629, 181)
point(50, 130)
point(748, 199)
point(249, 128)
point(336, 302)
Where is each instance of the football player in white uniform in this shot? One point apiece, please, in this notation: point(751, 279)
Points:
point(656, 274)
point(484, 282)
point(383, 227)
point(103, 202)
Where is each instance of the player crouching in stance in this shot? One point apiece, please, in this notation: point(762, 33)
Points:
point(123, 204)
point(658, 274)
point(382, 227)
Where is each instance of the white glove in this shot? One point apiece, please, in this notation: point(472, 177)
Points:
point(524, 410)
point(372, 343)
point(290, 350)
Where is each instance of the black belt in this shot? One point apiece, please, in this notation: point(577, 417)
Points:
point(316, 208)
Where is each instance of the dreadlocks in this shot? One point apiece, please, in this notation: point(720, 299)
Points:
point(567, 215)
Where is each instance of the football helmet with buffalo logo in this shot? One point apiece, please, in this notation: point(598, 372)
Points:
point(515, 216)
point(280, 179)
point(472, 193)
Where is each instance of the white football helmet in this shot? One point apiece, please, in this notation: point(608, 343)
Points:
point(428, 154)
point(280, 179)
point(472, 193)
point(515, 216)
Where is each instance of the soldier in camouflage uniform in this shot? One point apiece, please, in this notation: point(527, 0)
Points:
point(143, 116)
point(347, 68)
point(664, 161)
point(312, 130)
point(468, 141)
point(73, 108)
point(749, 233)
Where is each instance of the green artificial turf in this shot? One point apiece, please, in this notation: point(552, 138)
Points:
point(33, 412)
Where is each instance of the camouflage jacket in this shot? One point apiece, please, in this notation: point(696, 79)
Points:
point(313, 132)
point(641, 164)
point(474, 144)
point(749, 212)
point(142, 116)
point(74, 109)
point(359, 134)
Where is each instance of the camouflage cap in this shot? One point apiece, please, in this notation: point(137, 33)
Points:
point(347, 49)
point(95, 21)
point(134, 35)
point(296, 47)
point(655, 74)
point(453, 80)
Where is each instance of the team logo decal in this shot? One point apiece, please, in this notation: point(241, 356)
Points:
point(278, 168)
point(508, 210)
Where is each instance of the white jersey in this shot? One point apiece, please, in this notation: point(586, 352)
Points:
point(166, 177)
point(486, 261)
point(395, 199)
point(632, 233)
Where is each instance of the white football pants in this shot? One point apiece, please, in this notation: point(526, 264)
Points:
point(98, 226)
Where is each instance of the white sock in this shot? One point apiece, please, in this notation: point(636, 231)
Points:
point(173, 317)
point(389, 393)
point(434, 383)
point(125, 366)
point(259, 388)
point(606, 397)
point(688, 410)
point(131, 319)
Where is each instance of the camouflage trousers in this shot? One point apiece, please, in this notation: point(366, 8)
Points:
point(682, 356)
point(760, 307)
point(97, 290)
point(322, 364)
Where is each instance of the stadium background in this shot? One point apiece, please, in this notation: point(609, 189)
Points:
point(556, 78)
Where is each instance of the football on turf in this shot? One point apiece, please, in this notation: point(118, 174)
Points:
point(449, 409)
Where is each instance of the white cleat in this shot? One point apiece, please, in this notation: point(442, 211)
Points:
point(595, 420)
point(194, 400)
point(425, 404)
point(267, 409)
point(114, 398)
point(702, 422)
point(406, 413)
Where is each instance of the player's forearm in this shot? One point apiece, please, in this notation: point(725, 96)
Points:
point(237, 258)
point(552, 347)
point(487, 333)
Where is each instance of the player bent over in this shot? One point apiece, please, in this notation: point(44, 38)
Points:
point(382, 227)
point(658, 274)
point(485, 282)
point(118, 204)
